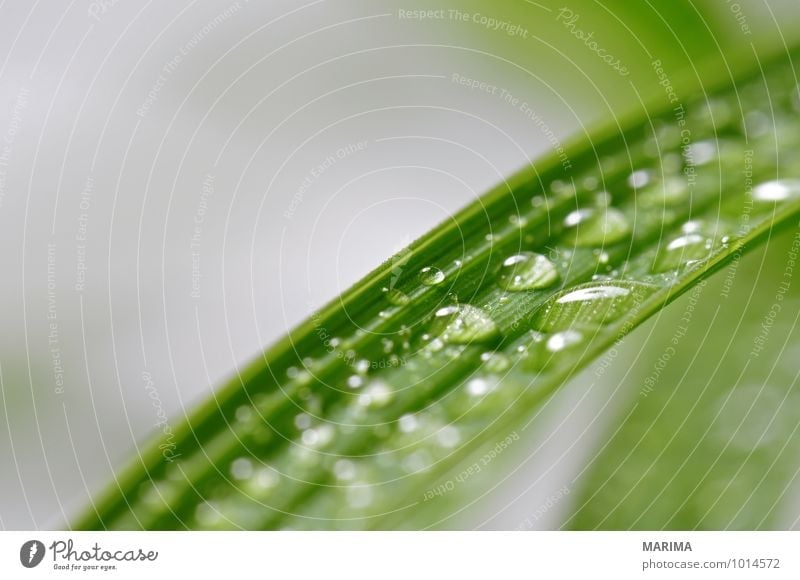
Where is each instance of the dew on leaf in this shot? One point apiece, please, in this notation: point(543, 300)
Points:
point(684, 250)
point(526, 271)
point(463, 324)
point(396, 297)
point(431, 276)
point(590, 305)
point(596, 226)
point(495, 362)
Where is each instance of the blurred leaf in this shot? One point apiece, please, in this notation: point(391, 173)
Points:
point(712, 440)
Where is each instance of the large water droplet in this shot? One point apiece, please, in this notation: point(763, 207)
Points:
point(431, 276)
point(591, 305)
point(596, 226)
point(463, 324)
point(526, 271)
point(780, 190)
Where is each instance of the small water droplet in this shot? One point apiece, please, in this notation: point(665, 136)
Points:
point(684, 250)
point(319, 436)
point(780, 190)
point(302, 421)
point(431, 276)
point(377, 394)
point(590, 305)
point(397, 297)
point(596, 226)
point(408, 423)
point(495, 362)
point(517, 220)
point(266, 478)
point(344, 469)
point(701, 152)
point(244, 414)
point(241, 468)
point(448, 436)
point(477, 387)
point(561, 340)
point(526, 271)
point(639, 178)
point(463, 324)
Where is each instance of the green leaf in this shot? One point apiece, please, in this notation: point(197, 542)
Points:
point(369, 413)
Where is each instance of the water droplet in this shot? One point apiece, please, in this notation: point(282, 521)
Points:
point(377, 394)
point(448, 436)
point(596, 226)
point(408, 423)
point(684, 250)
point(244, 414)
point(639, 178)
point(319, 436)
point(431, 276)
point(701, 153)
point(397, 297)
point(477, 387)
point(302, 421)
point(344, 469)
point(526, 271)
point(561, 340)
point(266, 478)
point(517, 220)
point(591, 305)
point(241, 468)
point(463, 324)
point(779, 190)
point(495, 362)
point(354, 381)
